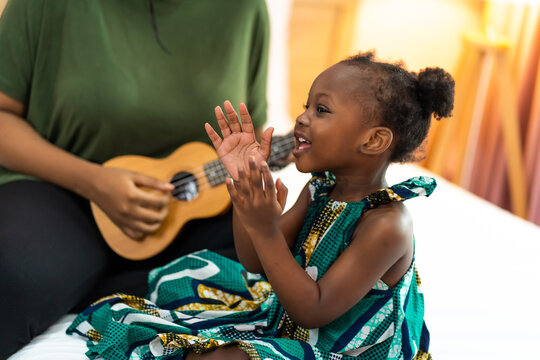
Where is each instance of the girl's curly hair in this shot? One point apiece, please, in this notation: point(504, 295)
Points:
point(405, 101)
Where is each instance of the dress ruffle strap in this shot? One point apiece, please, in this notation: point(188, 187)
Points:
point(408, 189)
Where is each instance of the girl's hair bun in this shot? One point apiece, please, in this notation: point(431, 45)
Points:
point(436, 91)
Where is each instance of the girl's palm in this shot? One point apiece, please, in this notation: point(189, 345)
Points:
point(238, 143)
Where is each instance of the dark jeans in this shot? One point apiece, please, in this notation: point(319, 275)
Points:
point(53, 259)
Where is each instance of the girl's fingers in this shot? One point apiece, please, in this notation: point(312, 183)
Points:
point(233, 124)
point(269, 189)
point(233, 193)
point(242, 185)
point(282, 192)
point(233, 117)
point(222, 122)
point(247, 125)
point(255, 176)
point(212, 134)
point(266, 143)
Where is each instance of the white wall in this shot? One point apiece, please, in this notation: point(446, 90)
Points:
point(278, 84)
point(420, 32)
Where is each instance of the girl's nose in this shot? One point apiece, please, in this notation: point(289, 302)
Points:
point(302, 119)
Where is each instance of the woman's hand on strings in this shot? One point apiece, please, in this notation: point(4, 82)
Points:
point(238, 143)
point(136, 203)
point(256, 199)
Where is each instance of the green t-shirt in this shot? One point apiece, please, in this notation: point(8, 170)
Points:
point(97, 83)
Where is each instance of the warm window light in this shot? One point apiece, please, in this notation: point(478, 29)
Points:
point(484, 62)
point(492, 47)
point(518, 2)
point(492, 10)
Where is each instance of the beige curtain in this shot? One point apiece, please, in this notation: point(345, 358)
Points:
point(497, 90)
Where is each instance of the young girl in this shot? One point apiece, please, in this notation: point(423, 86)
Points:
point(339, 275)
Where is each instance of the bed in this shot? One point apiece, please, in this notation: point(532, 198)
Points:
point(477, 261)
point(479, 272)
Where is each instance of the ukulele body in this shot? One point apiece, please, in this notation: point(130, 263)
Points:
point(194, 198)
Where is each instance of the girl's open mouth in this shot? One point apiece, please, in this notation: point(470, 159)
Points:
point(302, 144)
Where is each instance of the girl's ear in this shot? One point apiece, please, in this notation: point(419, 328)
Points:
point(377, 140)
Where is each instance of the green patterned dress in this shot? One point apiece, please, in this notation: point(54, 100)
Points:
point(204, 300)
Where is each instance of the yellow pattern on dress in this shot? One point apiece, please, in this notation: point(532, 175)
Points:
point(94, 335)
point(132, 301)
point(330, 213)
point(417, 276)
point(195, 343)
point(289, 330)
point(392, 195)
point(420, 355)
point(259, 292)
point(201, 345)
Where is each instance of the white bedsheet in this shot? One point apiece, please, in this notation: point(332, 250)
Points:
point(54, 344)
point(479, 272)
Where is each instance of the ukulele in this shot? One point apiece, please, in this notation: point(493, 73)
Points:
point(200, 192)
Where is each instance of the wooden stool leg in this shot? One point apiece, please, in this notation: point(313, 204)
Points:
point(532, 156)
point(464, 173)
point(511, 135)
point(442, 143)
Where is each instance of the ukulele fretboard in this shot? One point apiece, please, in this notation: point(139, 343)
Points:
point(215, 172)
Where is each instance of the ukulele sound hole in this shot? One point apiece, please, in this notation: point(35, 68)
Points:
point(185, 186)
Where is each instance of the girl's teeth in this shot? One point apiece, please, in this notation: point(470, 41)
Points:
point(303, 143)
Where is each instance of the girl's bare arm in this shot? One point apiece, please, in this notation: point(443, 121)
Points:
point(380, 241)
point(313, 304)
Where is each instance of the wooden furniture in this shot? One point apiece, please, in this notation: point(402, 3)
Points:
point(453, 151)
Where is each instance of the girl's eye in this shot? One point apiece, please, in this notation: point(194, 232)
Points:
point(321, 109)
point(306, 106)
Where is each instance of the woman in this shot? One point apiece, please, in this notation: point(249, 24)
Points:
point(82, 82)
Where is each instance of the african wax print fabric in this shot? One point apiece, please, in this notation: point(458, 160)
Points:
point(203, 300)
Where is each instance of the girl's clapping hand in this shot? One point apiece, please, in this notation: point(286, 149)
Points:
point(238, 143)
point(256, 199)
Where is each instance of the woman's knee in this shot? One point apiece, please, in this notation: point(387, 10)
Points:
point(27, 307)
point(50, 257)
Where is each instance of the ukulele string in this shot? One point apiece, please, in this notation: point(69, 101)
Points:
point(200, 173)
point(200, 188)
point(202, 181)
